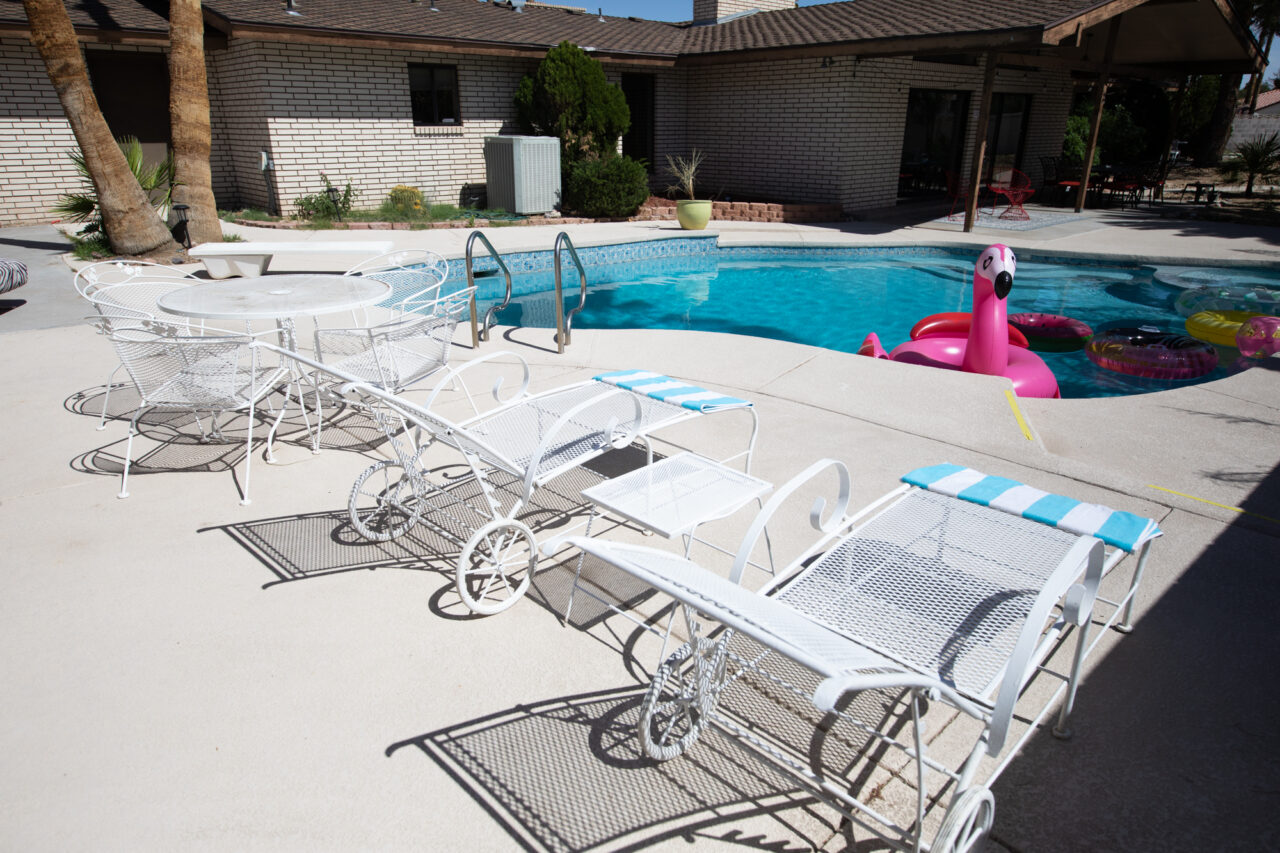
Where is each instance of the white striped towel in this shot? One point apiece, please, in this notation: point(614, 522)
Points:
point(670, 390)
point(1123, 530)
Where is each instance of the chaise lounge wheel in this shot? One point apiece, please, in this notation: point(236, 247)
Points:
point(382, 504)
point(496, 566)
point(681, 698)
point(968, 820)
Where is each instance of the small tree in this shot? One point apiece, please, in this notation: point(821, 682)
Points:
point(1257, 159)
point(569, 97)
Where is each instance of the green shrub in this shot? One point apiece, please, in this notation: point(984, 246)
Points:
point(321, 207)
point(569, 97)
point(90, 246)
point(613, 187)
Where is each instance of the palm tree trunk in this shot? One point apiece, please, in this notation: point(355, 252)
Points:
point(127, 216)
point(1224, 112)
point(189, 121)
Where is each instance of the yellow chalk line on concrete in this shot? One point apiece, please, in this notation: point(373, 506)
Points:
point(1215, 503)
point(1017, 413)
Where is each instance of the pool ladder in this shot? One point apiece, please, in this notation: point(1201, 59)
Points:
point(564, 322)
point(481, 332)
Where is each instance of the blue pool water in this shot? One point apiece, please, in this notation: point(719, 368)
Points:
point(833, 297)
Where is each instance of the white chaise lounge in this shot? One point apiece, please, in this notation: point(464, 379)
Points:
point(224, 260)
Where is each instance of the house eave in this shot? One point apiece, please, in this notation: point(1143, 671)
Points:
point(898, 46)
point(400, 42)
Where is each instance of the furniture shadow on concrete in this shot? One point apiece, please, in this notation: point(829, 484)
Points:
point(565, 774)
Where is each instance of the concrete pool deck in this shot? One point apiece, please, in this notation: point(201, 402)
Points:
point(186, 673)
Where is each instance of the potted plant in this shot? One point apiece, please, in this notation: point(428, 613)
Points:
point(692, 213)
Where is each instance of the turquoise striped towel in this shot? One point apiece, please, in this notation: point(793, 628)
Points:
point(670, 390)
point(1124, 530)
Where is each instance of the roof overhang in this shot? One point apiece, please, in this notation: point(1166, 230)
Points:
point(1157, 38)
point(1183, 36)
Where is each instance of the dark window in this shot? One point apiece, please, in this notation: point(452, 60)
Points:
point(433, 90)
point(638, 141)
point(932, 141)
point(133, 93)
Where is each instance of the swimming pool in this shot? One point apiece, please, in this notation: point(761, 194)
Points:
point(832, 297)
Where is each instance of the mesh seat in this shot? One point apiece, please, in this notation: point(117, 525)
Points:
point(129, 293)
point(396, 354)
point(411, 339)
point(212, 375)
point(939, 585)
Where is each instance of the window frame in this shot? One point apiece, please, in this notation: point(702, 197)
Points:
point(431, 95)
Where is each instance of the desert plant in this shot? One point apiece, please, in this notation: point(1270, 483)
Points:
point(613, 187)
point(156, 181)
point(321, 207)
point(405, 200)
point(1255, 159)
point(684, 172)
point(569, 97)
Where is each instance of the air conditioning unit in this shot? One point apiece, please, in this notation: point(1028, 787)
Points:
point(523, 173)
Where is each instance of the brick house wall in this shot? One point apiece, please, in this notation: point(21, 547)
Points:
point(830, 129)
point(34, 137)
point(798, 130)
point(346, 112)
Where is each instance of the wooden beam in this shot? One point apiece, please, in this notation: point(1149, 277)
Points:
point(1071, 28)
point(1099, 102)
point(980, 142)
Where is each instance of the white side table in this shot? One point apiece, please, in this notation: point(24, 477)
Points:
point(672, 497)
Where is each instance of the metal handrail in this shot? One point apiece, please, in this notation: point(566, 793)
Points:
point(479, 334)
point(564, 323)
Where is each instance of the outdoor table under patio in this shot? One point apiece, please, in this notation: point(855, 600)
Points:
point(276, 297)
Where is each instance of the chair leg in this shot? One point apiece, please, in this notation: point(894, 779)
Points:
point(106, 398)
point(128, 455)
point(271, 434)
point(248, 455)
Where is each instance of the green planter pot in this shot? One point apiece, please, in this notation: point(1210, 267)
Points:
point(693, 215)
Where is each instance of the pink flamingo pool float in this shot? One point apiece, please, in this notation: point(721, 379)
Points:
point(986, 347)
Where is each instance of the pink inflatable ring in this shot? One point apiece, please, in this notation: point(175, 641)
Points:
point(1259, 336)
point(1147, 351)
point(1052, 332)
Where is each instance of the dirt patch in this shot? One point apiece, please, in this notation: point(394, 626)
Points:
point(1231, 204)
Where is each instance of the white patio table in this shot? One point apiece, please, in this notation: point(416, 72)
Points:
point(275, 297)
point(279, 298)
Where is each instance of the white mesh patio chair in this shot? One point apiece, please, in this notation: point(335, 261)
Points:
point(415, 275)
point(956, 588)
point(211, 375)
point(402, 351)
point(107, 273)
point(128, 294)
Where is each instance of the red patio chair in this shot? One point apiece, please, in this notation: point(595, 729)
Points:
point(1016, 188)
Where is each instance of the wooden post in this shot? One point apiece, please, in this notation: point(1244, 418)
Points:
point(1257, 76)
point(1099, 102)
point(980, 143)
